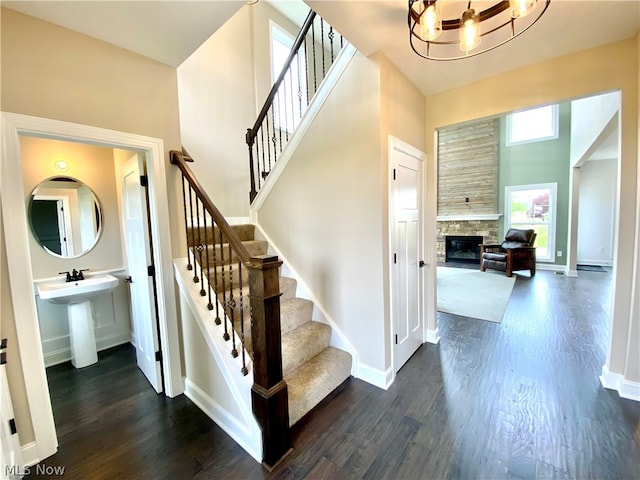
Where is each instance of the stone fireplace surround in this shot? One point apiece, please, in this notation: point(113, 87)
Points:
point(485, 226)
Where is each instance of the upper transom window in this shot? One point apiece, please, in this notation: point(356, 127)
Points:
point(533, 125)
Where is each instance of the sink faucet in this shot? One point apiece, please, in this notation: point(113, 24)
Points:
point(75, 275)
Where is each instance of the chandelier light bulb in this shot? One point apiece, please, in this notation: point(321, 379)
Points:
point(521, 8)
point(431, 22)
point(469, 30)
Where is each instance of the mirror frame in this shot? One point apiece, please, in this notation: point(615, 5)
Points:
point(99, 211)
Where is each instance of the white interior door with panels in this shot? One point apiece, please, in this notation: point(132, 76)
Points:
point(143, 314)
point(406, 250)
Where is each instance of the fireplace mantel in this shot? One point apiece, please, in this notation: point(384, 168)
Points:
point(458, 218)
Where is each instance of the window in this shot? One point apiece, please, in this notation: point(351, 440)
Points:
point(534, 206)
point(533, 125)
point(291, 100)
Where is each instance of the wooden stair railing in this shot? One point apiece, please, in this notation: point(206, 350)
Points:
point(219, 262)
point(312, 54)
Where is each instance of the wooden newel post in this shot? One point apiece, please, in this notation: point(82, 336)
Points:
point(269, 391)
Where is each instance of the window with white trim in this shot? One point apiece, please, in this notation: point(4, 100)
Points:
point(534, 206)
point(532, 125)
point(291, 100)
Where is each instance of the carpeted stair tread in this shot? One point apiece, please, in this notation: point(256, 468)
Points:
point(314, 380)
point(304, 343)
point(288, 287)
point(294, 312)
point(208, 236)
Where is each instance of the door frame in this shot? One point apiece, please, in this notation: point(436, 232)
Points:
point(395, 144)
point(19, 262)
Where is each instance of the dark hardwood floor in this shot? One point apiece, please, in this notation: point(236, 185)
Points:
point(519, 399)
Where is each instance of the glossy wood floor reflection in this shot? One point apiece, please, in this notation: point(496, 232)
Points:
point(519, 399)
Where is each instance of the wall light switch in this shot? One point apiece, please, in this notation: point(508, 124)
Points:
point(559, 253)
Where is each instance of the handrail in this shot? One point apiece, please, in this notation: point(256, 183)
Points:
point(177, 159)
point(251, 133)
point(306, 66)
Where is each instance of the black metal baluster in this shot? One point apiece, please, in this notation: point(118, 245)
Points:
point(264, 167)
point(215, 272)
point(200, 248)
point(286, 105)
point(244, 370)
point(299, 88)
point(331, 35)
point(341, 42)
point(306, 67)
point(224, 289)
point(232, 306)
point(313, 45)
point(193, 237)
point(262, 141)
point(322, 43)
point(206, 242)
point(282, 102)
point(186, 226)
point(274, 140)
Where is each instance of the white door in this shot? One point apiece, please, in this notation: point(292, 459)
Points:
point(143, 314)
point(406, 251)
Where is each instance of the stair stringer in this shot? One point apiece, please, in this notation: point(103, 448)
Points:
point(320, 314)
point(324, 90)
point(243, 428)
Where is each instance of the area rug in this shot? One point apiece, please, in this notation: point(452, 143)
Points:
point(474, 294)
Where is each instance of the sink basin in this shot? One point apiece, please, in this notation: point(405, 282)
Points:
point(77, 296)
point(77, 291)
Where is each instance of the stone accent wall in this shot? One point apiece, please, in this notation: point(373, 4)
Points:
point(487, 229)
point(468, 168)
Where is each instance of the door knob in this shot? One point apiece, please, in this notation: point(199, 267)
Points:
point(421, 264)
point(129, 279)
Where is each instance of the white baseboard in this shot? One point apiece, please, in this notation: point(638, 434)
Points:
point(616, 381)
point(30, 454)
point(216, 412)
point(62, 355)
point(238, 220)
point(432, 336)
point(552, 267)
point(377, 378)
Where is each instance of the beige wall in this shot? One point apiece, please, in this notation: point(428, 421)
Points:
point(51, 72)
point(325, 212)
point(217, 105)
point(94, 167)
point(402, 116)
point(602, 69)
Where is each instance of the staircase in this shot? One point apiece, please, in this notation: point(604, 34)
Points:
point(269, 332)
point(311, 367)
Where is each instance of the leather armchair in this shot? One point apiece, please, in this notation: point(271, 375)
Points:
point(515, 253)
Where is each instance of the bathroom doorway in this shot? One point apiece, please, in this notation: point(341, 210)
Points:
point(20, 262)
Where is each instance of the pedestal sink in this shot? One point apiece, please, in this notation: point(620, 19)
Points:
point(77, 296)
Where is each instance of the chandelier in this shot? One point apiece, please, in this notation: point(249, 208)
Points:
point(451, 29)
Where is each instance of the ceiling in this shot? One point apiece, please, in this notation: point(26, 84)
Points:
point(165, 31)
point(169, 31)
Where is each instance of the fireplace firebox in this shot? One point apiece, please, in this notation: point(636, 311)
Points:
point(464, 249)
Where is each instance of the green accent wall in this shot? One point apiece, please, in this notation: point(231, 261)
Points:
point(539, 162)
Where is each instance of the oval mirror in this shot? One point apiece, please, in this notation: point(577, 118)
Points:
point(65, 217)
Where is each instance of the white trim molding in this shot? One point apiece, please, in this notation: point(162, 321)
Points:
point(378, 378)
point(461, 218)
point(617, 381)
point(432, 336)
point(19, 260)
